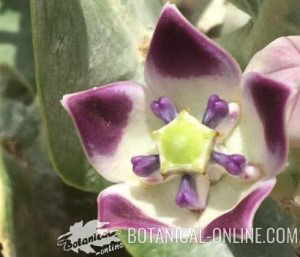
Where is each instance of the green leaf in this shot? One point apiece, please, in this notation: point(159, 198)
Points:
point(269, 215)
point(79, 44)
point(287, 190)
point(19, 118)
point(15, 37)
point(275, 19)
point(36, 207)
point(18, 122)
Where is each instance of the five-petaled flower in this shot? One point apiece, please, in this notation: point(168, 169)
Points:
point(198, 147)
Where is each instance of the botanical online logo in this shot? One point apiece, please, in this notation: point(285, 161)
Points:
point(89, 238)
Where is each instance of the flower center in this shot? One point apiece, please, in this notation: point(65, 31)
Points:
point(187, 147)
point(184, 145)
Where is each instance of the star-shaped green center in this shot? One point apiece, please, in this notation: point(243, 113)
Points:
point(184, 145)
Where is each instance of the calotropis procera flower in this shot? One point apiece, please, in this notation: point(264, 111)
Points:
point(198, 146)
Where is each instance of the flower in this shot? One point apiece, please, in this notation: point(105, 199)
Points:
point(198, 147)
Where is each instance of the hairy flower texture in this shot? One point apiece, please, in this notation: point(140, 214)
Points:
point(198, 147)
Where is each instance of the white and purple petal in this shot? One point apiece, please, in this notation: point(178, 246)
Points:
point(280, 60)
point(119, 213)
point(187, 66)
point(142, 206)
point(112, 126)
point(262, 127)
point(230, 204)
point(239, 220)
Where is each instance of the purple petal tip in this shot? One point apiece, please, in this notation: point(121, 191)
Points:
point(101, 115)
point(179, 50)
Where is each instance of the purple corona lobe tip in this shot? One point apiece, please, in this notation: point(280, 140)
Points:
point(145, 165)
point(164, 109)
point(234, 163)
point(216, 110)
point(187, 196)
